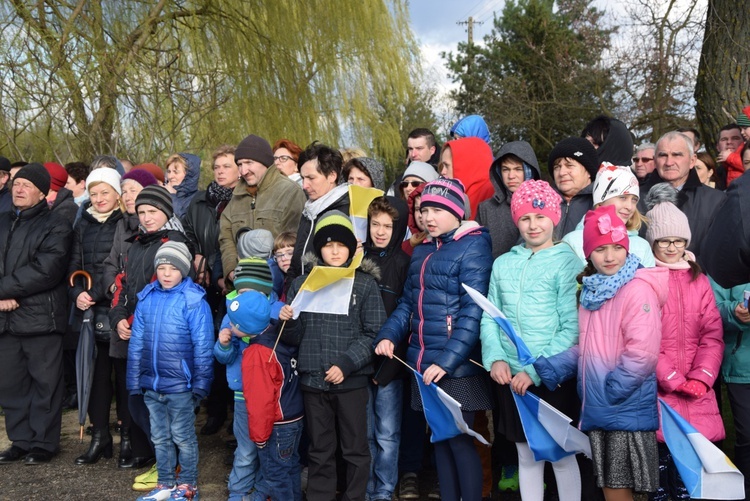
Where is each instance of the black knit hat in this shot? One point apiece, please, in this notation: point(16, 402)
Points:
point(334, 226)
point(4, 164)
point(37, 175)
point(255, 148)
point(156, 196)
point(580, 150)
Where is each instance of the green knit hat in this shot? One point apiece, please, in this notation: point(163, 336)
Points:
point(253, 273)
point(334, 226)
point(743, 120)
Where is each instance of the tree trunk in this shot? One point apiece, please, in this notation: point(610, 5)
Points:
point(724, 70)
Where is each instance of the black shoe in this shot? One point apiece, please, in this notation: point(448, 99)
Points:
point(213, 425)
point(126, 452)
point(12, 454)
point(71, 401)
point(137, 462)
point(38, 456)
point(101, 445)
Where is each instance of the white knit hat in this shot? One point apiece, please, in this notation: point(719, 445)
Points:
point(105, 175)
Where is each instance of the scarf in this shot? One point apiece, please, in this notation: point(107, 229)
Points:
point(682, 264)
point(100, 216)
point(173, 224)
point(599, 288)
point(218, 197)
point(313, 208)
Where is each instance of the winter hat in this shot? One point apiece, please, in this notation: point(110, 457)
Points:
point(422, 170)
point(580, 150)
point(4, 164)
point(253, 273)
point(446, 194)
point(174, 253)
point(105, 175)
point(254, 243)
point(665, 219)
point(612, 181)
point(255, 148)
point(334, 226)
point(156, 196)
point(37, 175)
point(249, 312)
point(58, 176)
point(603, 226)
point(743, 120)
point(536, 197)
point(140, 176)
point(154, 169)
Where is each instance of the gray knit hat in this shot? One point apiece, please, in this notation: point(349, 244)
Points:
point(156, 196)
point(255, 243)
point(176, 254)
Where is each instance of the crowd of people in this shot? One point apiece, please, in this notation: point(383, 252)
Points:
point(626, 272)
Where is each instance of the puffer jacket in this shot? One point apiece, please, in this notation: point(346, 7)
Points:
point(537, 292)
point(171, 347)
point(573, 210)
point(35, 252)
point(325, 339)
point(735, 368)
point(472, 158)
point(494, 213)
point(692, 346)
point(733, 164)
point(187, 189)
point(435, 312)
point(616, 357)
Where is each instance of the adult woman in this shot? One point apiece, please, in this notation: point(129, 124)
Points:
point(573, 165)
point(183, 173)
point(417, 174)
point(94, 234)
point(285, 157)
point(706, 169)
point(364, 171)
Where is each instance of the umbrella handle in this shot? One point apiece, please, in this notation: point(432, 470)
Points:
point(80, 273)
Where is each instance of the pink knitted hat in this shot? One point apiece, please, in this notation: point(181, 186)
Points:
point(603, 226)
point(535, 197)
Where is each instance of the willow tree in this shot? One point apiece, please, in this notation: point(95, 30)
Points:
point(143, 78)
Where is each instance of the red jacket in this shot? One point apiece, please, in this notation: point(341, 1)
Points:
point(733, 164)
point(472, 158)
point(692, 346)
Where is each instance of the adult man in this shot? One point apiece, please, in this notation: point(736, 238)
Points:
point(675, 160)
point(421, 146)
point(694, 136)
point(264, 198)
point(5, 196)
point(643, 161)
point(33, 317)
point(732, 158)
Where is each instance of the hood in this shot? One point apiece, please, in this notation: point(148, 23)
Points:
point(465, 228)
point(189, 185)
point(522, 150)
point(618, 147)
point(471, 126)
point(410, 207)
point(472, 158)
point(399, 227)
point(63, 194)
point(376, 171)
point(658, 279)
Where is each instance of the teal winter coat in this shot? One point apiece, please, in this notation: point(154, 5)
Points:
point(735, 367)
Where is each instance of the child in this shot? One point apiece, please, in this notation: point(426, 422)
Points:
point(251, 274)
point(335, 365)
point(620, 333)
point(417, 233)
point(386, 229)
point(617, 186)
point(273, 400)
point(692, 341)
point(169, 361)
point(283, 249)
point(259, 243)
point(534, 276)
point(442, 324)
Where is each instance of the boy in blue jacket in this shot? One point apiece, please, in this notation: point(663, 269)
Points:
point(169, 361)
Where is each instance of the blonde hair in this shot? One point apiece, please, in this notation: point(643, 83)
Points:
point(176, 158)
point(120, 204)
point(634, 222)
point(350, 153)
point(284, 239)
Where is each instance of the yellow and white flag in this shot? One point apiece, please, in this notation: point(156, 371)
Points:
point(327, 289)
point(359, 200)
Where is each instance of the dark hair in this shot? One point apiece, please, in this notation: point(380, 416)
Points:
point(294, 149)
point(77, 170)
point(380, 205)
point(693, 131)
point(587, 272)
point(354, 162)
point(730, 127)
point(695, 270)
point(598, 129)
point(329, 159)
point(425, 133)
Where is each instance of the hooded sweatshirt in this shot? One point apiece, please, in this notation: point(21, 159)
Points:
point(188, 187)
point(376, 170)
point(494, 213)
point(617, 148)
point(471, 126)
point(472, 158)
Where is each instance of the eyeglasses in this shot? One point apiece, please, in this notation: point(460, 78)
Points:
point(645, 160)
point(678, 244)
point(280, 256)
point(282, 158)
point(414, 184)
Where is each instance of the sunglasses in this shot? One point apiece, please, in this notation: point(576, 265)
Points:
point(414, 184)
point(645, 160)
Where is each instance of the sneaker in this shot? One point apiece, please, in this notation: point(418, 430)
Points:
point(409, 486)
point(185, 492)
point(146, 481)
point(508, 479)
point(161, 492)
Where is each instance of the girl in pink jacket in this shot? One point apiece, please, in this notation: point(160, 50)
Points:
point(692, 343)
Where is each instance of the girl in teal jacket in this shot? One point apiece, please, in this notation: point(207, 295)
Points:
point(534, 285)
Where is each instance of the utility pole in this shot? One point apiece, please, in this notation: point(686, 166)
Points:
point(470, 29)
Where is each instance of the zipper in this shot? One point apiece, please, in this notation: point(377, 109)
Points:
point(449, 325)
point(419, 307)
point(519, 329)
point(583, 374)
point(155, 344)
point(186, 371)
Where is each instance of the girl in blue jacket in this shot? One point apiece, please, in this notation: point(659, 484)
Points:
point(442, 323)
point(536, 276)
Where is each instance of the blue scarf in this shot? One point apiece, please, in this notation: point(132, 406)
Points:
point(598, 288)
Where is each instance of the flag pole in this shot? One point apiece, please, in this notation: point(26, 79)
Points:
point(277, 340)
point(476, 363)
point(407, 365)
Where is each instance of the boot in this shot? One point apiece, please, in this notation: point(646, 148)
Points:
point(126, 453)
point(101, 445)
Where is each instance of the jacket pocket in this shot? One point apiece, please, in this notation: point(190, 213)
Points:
point(449, 325)
point(188, 375)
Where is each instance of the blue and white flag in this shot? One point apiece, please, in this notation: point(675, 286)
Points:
point(548, 431)
point(706, 471)
point(443, 413)
point(524, 355)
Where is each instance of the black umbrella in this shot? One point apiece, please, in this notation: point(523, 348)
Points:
point(85, 355)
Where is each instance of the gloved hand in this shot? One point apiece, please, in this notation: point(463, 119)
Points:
point(693, 388)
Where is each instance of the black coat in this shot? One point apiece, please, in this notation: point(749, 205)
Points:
point(65, 206)
point(201, 223)
point(33, 259)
